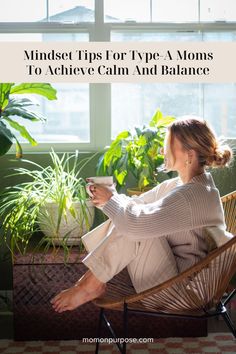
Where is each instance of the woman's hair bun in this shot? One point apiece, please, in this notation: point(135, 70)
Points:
point(221, 157)
point(195, 134)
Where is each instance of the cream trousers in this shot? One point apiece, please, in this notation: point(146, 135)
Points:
point(149, 262)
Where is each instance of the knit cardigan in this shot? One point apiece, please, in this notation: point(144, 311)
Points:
point(177, 211)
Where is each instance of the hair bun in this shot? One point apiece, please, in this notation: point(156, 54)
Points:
point(222, 156)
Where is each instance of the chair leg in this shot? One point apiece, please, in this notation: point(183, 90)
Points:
point(109, 327)
point(229, 323)
point(99, 330)
point(229, 297)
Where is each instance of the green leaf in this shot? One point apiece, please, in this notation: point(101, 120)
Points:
point(120, 177)
point(165, 121)
point(138, 130)
point(142, 141)
point(123, 135)
point(143, 180)
point(22, 130)
point(156, 118)
point(42, 89)
point(22, 101)
point(6, 139)
point(100, 168)
point(23, 113)
point(114, 152)
point(4, 94)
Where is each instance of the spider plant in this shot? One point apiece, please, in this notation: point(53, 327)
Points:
point(26, 207)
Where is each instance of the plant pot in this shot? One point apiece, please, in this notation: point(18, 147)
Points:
point(71, 228)
point(137, 191)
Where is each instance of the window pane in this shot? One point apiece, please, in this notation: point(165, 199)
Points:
point(71, 11)
point(123, 10)
point(134, 104)
point(152, 36)
point(41, 37)
point(174, 11)
point(67, 117)
point(218, 10)
point(132, 35)
point(220, 36)
point(22, 11)
point(220, 108)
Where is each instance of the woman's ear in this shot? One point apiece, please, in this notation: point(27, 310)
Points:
point(192, 154)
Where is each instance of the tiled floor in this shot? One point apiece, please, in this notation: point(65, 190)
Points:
point(218, 341)
point(221, 343)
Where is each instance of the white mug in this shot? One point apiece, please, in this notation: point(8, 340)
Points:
point(106, 180)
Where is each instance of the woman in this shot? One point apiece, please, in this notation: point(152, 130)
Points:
point(160, 233)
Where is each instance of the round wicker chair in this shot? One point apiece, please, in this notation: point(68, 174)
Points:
point(197, 292)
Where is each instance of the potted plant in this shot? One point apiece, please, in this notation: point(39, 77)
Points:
point(53, 201)
point(136, 154)
point(12, 106)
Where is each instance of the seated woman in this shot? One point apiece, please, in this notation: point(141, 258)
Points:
point(159, 233)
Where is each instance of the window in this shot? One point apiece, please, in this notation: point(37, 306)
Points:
point(215, 102)
point(123, 10)
point(73, 11)
point(12, 11)
point(217, 10)
point(91, 115)
point(63, 115)
point(175, 11)
point(44, 37)
point(174, 99)
point(129, 36)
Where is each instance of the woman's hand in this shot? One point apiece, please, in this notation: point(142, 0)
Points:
point(101, 193)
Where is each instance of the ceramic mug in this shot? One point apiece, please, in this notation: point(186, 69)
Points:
point(105, 180)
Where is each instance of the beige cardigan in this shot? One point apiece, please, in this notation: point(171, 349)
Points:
point(174, 210)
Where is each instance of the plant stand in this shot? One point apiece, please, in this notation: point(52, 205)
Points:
point(36, 281)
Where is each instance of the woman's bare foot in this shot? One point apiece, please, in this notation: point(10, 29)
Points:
point(86, 289)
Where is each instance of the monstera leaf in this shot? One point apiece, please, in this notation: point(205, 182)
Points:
point(13, 107)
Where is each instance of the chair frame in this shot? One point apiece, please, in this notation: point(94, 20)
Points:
point(220, 311)
point(124, 303)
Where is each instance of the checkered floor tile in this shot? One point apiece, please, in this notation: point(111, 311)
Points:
point(220, 343)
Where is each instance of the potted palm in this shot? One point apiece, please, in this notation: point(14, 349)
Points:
point(15, 102)
point(53, 201)
point(136, 154)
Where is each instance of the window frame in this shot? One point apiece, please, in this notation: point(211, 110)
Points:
point(100, 94)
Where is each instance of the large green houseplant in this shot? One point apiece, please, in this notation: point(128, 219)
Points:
point(137, 153)
point(13, 105)
point(52, 200)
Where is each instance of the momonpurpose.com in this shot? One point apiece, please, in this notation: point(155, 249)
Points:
point(118, 340)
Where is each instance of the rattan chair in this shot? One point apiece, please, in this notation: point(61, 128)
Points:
point(229, 205)
point(198, 292)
